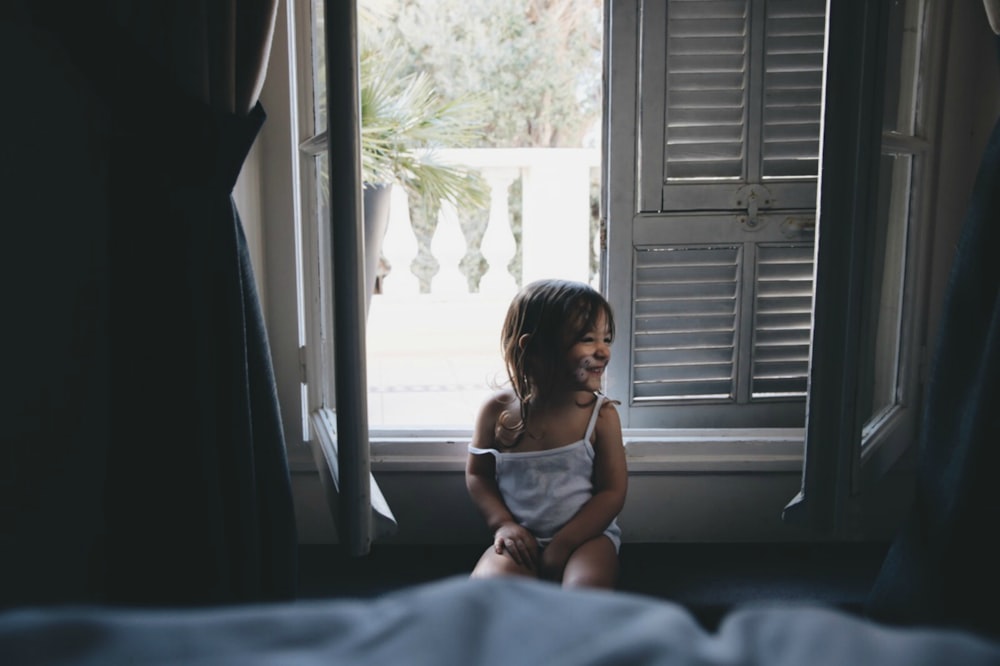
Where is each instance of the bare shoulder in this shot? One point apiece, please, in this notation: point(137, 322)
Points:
point(490, 413)
point(499, 402)
point(609, 425)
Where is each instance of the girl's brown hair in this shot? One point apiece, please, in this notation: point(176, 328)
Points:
point(553, 314)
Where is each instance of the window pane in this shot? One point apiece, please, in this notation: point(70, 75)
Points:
point(448, 266)
point(880, 391)
point(901, 69)
point(318, 52)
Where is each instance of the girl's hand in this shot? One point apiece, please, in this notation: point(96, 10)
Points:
point(518, 542)
point(554, 559)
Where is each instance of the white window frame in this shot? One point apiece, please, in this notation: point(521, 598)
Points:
point(293, 321)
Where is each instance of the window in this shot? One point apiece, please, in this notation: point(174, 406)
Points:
point(890, 381)
point(736, 224)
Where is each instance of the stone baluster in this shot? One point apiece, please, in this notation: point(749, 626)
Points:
point(448, 246)
point(399, 248)
point(498, 246)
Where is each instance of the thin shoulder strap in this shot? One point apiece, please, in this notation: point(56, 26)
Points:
point(593, 417)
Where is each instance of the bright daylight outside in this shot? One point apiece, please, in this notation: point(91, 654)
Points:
point(481, 125)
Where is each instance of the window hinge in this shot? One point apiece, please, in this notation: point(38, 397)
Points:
point(302, 365)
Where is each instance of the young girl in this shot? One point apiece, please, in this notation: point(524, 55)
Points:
point(547, 465)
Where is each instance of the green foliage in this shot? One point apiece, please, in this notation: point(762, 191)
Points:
point(403, 121)
point(534, 63)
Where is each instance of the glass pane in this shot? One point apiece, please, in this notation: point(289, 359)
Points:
point(318, 52)
point(902, 66)
point(321, 174)
point(448, 266)
point(889, 274)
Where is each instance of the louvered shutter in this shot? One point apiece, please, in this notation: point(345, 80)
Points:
point(706, 87)
point(792, 89)
point(686, 306)
point(721, 265)
point(782, 320)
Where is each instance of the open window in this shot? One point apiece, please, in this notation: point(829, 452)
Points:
point(865, 383)
point(752, 337)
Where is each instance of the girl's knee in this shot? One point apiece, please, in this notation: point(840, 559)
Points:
point(594, 564)
point(590, 577)
point(492, 565)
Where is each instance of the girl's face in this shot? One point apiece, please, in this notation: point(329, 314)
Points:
point(589, 356)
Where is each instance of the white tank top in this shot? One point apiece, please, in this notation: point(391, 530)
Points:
point(544, 489)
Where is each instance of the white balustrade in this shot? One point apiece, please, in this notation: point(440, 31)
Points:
point(555, 222)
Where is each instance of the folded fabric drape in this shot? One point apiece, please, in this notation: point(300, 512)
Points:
point(179, 491)
point(942, 566)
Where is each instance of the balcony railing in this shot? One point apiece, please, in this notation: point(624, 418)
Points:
point(433, 353)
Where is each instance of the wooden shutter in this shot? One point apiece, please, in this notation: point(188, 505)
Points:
point(686, 308)
point(720, 239)
point(706, 89)
point(792, 88)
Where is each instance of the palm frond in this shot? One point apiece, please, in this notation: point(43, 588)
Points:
point(404, 119)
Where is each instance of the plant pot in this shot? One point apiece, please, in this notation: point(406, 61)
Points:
point(376, 221)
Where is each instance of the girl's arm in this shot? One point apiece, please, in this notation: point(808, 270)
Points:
point(610, 486)
point(480, 480)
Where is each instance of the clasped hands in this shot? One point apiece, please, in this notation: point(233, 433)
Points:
point(521, 545)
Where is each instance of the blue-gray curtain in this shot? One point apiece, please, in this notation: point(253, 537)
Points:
point(144, 458)
point(943, 568)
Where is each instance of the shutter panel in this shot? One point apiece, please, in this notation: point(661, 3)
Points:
point(720, 230)
point(686, 304)
point(707, 59)
point(782, 320)
point(793, 88)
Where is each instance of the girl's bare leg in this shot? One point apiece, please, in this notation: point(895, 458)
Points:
point(593, 564)
point(493, 564)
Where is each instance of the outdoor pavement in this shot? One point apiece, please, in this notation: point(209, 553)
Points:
point(432, 359)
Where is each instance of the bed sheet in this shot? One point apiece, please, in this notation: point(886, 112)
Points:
point(462, 621)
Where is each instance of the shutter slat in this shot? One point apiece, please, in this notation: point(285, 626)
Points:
point(654, 308)
point(774, 353)
point(773, 388)
point(707, 9)
point(783, 305)
point(673, 357)
point(682, 374)
point(668, 324)
point(667, 391)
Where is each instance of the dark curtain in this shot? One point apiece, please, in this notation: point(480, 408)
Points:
point(943, 568)
point(144, 459)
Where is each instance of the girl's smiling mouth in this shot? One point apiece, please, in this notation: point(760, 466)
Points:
point(588, 367)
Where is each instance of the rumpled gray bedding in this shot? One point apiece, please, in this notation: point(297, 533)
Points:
point(462, 621)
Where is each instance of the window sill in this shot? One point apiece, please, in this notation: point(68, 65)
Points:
point(649, 451)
